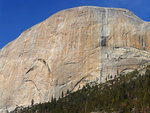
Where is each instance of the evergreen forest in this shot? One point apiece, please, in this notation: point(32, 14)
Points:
point(128, 93)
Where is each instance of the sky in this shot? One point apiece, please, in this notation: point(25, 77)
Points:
point(17, 16)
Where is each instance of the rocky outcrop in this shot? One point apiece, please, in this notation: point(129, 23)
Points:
point(71, 48)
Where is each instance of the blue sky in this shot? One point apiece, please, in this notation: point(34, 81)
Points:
point(18, 15)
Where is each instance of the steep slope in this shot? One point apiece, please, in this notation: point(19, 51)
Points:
point(125, 94)
point(68, 50)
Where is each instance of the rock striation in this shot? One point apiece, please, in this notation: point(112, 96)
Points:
point(69, 49)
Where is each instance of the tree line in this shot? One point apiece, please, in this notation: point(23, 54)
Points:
point(129, 93)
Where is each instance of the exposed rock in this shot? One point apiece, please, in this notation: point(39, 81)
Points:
point(68, 50)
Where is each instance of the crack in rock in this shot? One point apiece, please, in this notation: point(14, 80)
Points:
point(126, 69)
point(34, 67)
point(34, 85)
point(80, 81)
point(31, 69)
point(45, 63)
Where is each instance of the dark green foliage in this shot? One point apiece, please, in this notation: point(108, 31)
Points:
point(32, 102)
point(126, 94)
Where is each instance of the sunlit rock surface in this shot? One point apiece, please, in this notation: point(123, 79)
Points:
point(69, 49)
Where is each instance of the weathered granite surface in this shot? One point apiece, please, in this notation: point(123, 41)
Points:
point(68, 50)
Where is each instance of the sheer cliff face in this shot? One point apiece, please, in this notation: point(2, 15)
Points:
point(68, 50)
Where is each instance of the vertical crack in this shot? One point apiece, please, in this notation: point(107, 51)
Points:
point(33, 40)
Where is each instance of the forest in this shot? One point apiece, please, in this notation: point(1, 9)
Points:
point(128, 93)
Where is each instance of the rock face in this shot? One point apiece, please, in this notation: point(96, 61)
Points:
point(71, 48)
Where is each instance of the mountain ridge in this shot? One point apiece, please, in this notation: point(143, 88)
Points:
point(113, 8)
point(70, 49)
